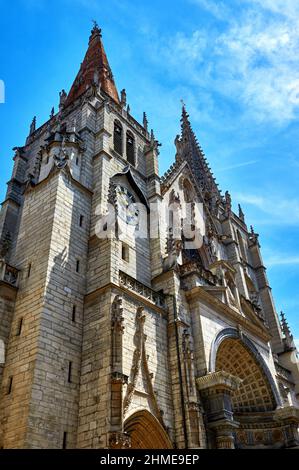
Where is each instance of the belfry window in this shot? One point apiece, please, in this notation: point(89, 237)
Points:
point(118, 137)
point(130, 148)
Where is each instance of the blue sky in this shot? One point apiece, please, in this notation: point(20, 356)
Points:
point(236, 66)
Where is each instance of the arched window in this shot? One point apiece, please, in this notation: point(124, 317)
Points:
point(130, 148)
point(188, 191)
point(118, 137)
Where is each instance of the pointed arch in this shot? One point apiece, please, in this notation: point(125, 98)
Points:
point(131, 179)
point(189, 194)
point(146, 431)
point(258, 361)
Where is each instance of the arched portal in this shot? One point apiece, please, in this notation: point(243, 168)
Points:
point(240, 344)
point(249, 398)
point(146, 432)
point(254, 394)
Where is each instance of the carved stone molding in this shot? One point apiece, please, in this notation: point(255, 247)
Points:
point(218, 380)
point(137, 357)
point(188, 363)
point(117, 329)
point(135, 286)
point(140, 360)
point(117, 318)
point(119, 378)
point(119, 440)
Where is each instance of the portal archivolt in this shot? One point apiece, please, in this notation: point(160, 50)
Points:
point(146, 432)
point(254, 394)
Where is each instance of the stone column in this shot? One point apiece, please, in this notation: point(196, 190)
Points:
point(216, 390)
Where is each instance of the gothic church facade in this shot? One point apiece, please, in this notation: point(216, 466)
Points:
point(119, 342)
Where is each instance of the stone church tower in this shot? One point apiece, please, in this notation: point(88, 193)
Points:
point(124, 341)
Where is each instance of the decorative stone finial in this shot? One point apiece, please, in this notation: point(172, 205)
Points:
point(33, 126)
point(228, 202)
point(284, 325)
point(289, 339)
point(52, 112)
point(95, 30)
point(145, 121)
point(241, 213)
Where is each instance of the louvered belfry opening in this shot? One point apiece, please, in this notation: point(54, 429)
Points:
point(130, 148)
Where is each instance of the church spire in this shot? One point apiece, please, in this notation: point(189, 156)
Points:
point(189, 149)
point(94, 70)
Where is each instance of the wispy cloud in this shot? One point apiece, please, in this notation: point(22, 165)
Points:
point(288, 8)
point(281, 260)
point(280, 211)
point(253, 60)
point(218, 9)
point(237, 165)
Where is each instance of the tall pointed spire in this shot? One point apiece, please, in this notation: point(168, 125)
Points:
point(189, 149)
point(95, 69)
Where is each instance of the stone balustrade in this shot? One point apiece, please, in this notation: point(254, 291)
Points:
point(146, 292)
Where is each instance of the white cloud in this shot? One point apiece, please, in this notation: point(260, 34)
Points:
point(259, 59)
point(288, 8)
point(237, 165)
point(217, 9)
point(253, 60)
point(282, 260)
point(280, 211)
point(190, 48)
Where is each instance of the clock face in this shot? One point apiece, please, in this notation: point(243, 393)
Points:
point(127, 209)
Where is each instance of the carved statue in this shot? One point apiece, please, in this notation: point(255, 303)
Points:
point(174, 197)
point(179, 146)
point(228, 201)
point(123, 98)
point(62, 98)
point(61, 160)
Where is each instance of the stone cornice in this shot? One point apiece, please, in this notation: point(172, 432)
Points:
point(139, 298)
point(12, 200)
point(199, 293)
point(220, 379)
point(288, 413)
point(55, 172)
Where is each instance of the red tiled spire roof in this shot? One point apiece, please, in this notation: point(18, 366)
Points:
point(94, 68)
